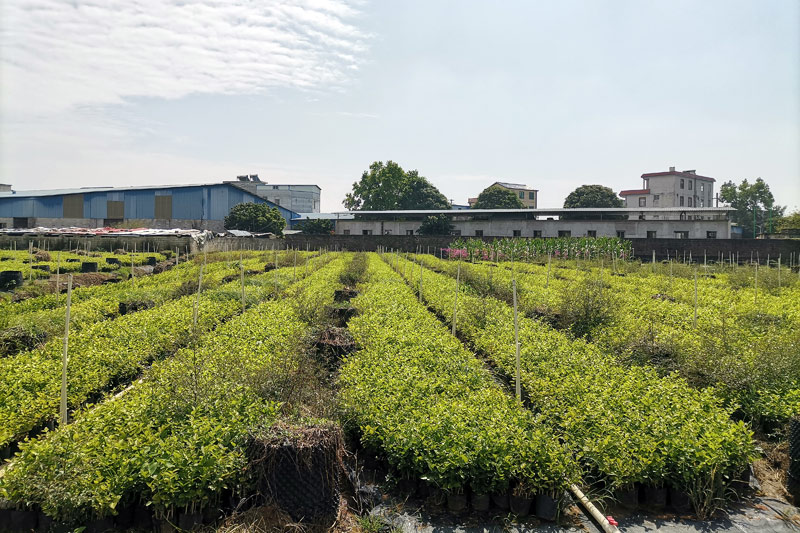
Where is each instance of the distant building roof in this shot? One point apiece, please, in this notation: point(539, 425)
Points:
point(634, 191)
point(684, 173)
point(87, 190)
point(513, 185)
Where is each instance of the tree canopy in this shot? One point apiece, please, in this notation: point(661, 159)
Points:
point(751, 200)
point(387, 186)
point(593, 196)
point(496, 197)
point(436, 225)
point(255, 218)
point(789, 222)
point(316, 226)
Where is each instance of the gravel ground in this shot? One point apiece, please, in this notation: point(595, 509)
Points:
point(762, 515)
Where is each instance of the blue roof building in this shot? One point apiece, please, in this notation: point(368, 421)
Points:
point(175, 206)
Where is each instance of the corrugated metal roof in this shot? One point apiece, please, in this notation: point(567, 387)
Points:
point(544, 211)
point(86, 190)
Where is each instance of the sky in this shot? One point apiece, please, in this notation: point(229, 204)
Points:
point(553, 95)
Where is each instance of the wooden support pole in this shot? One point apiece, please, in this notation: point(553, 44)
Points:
point(516, 341)
point(65, 357)
point(241, 268)
point(455, 304)
point(695, 299)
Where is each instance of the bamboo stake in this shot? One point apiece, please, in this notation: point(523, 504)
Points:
point(516, 340)
point(779, 271)
point(420, 281)
point(547, 283)
point(58, 276)
point(241, 266)
point(64, 360)
point(455, 304)
point(755, 296)
point(197, 298)
point(695, 299)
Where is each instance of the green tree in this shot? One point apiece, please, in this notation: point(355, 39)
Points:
point(789, 222)
point(436, 225)
point(592, 196)
point(387, 186)
point(256, 218)
point(752, 202)
point(316, 226)
point(496, 197)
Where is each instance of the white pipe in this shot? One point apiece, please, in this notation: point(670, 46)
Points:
point(596, 514)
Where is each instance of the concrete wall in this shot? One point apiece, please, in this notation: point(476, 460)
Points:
point(549, 228)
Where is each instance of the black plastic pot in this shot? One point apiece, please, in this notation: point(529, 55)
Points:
point(112, 261)
point(45, 268)
point(88, 266)
point(151, 261)
point(10, 279)
point(456, 503)
point(628, 497)
point(520, 506)
point(481, 502)
point(679, 500)
point(655, 497)
point(546, 507)
point(500, 500)
point(793, 479)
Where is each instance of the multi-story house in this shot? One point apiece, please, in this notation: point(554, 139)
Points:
point(526, 195)
point(672, 189)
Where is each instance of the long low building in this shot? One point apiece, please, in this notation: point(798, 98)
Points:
point(706, 223)
point(174, 206)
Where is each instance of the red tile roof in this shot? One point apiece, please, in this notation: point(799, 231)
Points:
point(634, 191)
point(677, 173)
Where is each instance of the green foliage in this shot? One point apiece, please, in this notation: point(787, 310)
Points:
point(436, 225)
point(176, 439)
point(592, 196)
point(496, 197)
point(517, 249)
point(789, 222)
point(387, 186)
point(624, 424)
point(427, 405)
point(753, 202)
point(255, 218)
point(317, 226)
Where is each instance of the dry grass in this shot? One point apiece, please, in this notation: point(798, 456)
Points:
point(771, 470)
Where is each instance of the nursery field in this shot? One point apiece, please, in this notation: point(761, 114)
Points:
point(477, 379)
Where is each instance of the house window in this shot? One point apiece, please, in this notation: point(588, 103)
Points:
point(409, 232)
point(642, 201)
point(517, 233)
point(345, 232)
point(564, 233)
point(690, 202)
point(591, 233)
point(277, 201)
point(2, 225)
point(456, 233)
point(620, 234)
point(655, 217)
point(656, 197)
point(366, 232)
point(537, 234)
point(702, 187)
point(274, 187)
point(521, 195)
point(702, 203)
point(711, 235)
point(387, 232)
point(681, 234)
point(479, 233)
point(651, 234)
point(531, 196)
point(681, 203)
point(682, 183)
point(690, 185)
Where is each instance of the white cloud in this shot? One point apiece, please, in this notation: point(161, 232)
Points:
point(59, 55)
